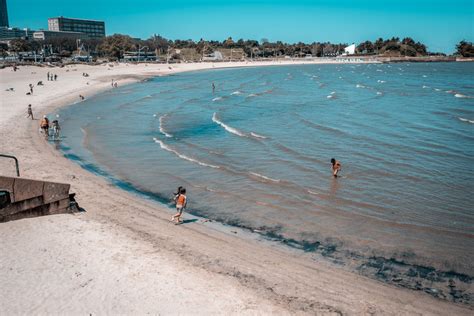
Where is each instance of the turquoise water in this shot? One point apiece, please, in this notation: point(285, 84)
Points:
point(256, 153)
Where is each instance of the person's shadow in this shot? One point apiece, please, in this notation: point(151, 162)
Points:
point(187, 221)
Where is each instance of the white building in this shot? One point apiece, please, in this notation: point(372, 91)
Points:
point(350, 50)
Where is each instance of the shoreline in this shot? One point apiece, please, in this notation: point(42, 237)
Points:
point(283, 283)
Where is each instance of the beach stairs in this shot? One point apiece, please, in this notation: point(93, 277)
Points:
point(22, 198)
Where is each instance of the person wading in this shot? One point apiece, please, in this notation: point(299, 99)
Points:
point(335, 167)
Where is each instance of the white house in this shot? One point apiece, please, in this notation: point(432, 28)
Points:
point(350, 50)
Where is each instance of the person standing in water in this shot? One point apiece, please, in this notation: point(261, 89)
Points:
point(213, 87)
point(30, 112)
point(56, 129)
point(335, 167)
point(181, 202)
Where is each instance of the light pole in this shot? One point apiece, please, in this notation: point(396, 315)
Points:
point(139, 49)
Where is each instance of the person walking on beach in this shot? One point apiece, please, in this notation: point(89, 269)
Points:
point(44, 124)
point(55, 77)
point(30, 112)
point(47, 75)
point(181, 202)
point(31, 88)
point(335, 167)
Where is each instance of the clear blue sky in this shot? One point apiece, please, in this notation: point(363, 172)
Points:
point(438, 24)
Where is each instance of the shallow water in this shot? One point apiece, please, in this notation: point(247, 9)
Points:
point(256, 153)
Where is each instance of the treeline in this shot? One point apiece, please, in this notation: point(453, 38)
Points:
point(114, 47)
point(393, 46)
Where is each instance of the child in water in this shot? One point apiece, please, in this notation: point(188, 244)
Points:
point(335, 167)
point(181, 201)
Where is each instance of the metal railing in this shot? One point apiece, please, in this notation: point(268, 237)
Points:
point(16, 163)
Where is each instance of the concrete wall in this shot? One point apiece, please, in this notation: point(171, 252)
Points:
point(33, 198)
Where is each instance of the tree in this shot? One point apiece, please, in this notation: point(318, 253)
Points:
point(3, 50)
point(114, 46)
point(465, 49)
point(19, 45)
point(366, 47)
point(228, 43)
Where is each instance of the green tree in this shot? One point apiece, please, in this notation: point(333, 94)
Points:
point(465, 49)
point(114, 46)
point(19, 45)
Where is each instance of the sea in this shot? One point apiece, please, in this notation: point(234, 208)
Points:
point(255, 153)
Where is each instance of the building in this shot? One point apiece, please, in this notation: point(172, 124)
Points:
point(350, 50)
point(95, 29)
point(139, 56)
point(46, 35)
point(9, 33)
point(3, 14)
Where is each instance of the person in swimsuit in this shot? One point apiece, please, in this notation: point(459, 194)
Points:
point(335, 167)
point(181, 202)
point(44, 124)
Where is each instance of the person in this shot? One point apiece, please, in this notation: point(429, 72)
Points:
point(176, 195)
point(213, 87)
point(112, 83)
point(44, 124)
point(31, 88)
point(81, 97)
point(30, 112)
point(335, 167)
point(181, 202)
point(56, 129)
point(47, 75)
point(55, 77)
point(115, 84)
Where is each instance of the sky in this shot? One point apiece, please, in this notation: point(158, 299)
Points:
point(438, 24)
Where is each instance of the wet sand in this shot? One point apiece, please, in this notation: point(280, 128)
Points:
point(123, 255)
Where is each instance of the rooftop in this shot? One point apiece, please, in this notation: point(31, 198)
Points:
point(63, 17)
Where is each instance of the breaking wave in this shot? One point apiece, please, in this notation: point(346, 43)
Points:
point(182, 156)
point(466, 120)
point(261, 176)
point(162, 130)
point(227, 127)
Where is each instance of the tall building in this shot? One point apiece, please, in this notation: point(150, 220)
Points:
point(3, 14)
point(95, 29)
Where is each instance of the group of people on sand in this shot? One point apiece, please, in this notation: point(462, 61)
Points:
point(52, 77)
point(46, 126)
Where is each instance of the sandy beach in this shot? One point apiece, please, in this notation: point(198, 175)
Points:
point(122, 255)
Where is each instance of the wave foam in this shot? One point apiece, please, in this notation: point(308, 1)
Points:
point(227, 127)
point(466, 120)
point(360, 86)
point(261, 176)
point(257, 135)
point(217, 99)
point(162, 130)
point(459, 95)
point(180, 155)
point(236, 93)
